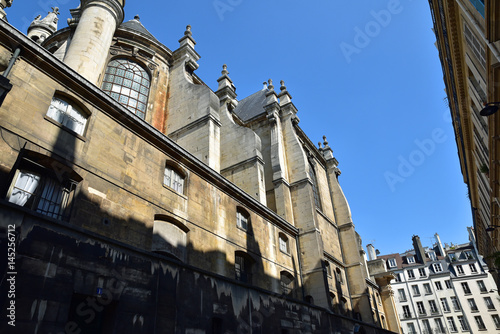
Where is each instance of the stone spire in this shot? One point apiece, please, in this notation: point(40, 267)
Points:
point(89, 47)
point(272, 106)
point(40, 28)
point(226, 90)
point(186, 50)
point(4, 4)
point(326, 150)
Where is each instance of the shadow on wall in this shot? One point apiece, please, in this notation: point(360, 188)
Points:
point(71, 273)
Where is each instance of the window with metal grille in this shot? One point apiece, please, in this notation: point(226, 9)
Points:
point(43, 184)
point(128, 83)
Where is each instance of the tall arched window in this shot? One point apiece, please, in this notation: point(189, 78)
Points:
point(315, 186)
point(128, 83)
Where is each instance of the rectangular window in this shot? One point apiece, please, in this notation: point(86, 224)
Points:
point(416, 291)
point(392, 263)
point(411, 275)
point(472, 304)
point(283, 241)
point(489, 303)
point(466, 289)
point(410, 259)
point(41, 194)
point(451, 324)
point(472, 267)
point(460, 270)
point(406, 312)
point(421, 272)
point(438, 285)
point(421, 308)
point(463, 323)
point(481, 286)
point(242, 220)
point(427, 289)
point(448, 284)
point(402, 295)
point(479, 322)
point(437, 267)
point(439, 326)
point(398, 277)
point(455, 303)
point(427, 326)
point(433, 307)
point(411, 328)
point(496, 320)
point(444, 303)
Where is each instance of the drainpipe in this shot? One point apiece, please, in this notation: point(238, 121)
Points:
point(12, 60)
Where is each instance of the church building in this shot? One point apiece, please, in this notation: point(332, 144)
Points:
point(135, 199)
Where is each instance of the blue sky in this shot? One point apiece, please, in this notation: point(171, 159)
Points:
point(364, 73)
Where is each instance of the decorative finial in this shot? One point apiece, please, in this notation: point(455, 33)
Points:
point(265, 85)
point(188, 30)
point(270, 81)
point(137, 18)
point(324, 141)
point(319, 144)
point(224, 70)
point(55, 10)
point(282, 88)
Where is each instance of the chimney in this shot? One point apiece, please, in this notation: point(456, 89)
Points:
point(439, 244)
point(419, 250)
point(372, 255)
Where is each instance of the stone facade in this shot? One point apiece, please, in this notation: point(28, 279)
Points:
point(144, 202)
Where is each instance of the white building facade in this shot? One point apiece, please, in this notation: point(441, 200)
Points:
point(443, 289)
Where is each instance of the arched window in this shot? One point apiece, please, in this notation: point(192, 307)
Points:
point(173, 178)
point(338, 276)
point(328, 268)
point(283, 240)
point(67, 114)
point(287, 282)
point(243, 267)
point(128, 83)
point(242, 219)
point(314, 181)
point(169, 237)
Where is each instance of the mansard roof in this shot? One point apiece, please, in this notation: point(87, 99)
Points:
point(251, 106)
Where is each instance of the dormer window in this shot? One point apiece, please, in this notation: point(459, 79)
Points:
point(391, 263)
point(128, 83)
point(410, 259)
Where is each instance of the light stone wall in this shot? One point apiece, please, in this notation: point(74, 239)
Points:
point(123, 182)
point(193, 117)
point(241, 159)
point(91, 40)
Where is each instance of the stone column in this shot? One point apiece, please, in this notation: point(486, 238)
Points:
point(92, 38)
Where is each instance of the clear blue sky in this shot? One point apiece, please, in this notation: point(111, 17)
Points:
point(364, 73)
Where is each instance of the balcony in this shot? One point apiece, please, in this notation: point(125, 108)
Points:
point(479, 5)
